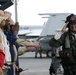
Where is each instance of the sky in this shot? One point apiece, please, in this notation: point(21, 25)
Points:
point(28, 10)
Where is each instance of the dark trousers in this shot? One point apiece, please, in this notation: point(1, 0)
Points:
point(69, 69)
point(40, 53)
point(51, 70)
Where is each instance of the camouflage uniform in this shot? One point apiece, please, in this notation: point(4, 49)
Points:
point(68, 56)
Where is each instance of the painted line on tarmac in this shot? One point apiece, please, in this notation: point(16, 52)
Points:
point(38, 70)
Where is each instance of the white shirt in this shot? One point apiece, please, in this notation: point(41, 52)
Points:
point(5, 47)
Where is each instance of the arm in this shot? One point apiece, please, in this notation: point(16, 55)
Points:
point(23, 50)
point(22, 42)
point(15, 28)
point(2, 55)
point(59, 38)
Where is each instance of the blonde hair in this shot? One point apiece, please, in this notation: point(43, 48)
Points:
point(8, 16)
point(6, 12)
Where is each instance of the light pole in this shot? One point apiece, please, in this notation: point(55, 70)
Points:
point(16, 13)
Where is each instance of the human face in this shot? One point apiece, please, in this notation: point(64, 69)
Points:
point(7, 25)
point(8, 16)
point(73, 27)
point(1, 13)
point(3, 22)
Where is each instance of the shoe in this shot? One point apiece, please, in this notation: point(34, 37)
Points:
point(35, 56)
point(40, 56)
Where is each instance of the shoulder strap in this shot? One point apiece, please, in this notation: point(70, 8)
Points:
point(67, 41)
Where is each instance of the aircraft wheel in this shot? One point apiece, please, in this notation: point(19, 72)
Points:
point(49, 54)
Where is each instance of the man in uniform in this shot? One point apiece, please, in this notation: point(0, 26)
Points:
point(67, 39)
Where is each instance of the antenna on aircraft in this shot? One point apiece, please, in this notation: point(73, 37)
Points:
point(45, 17)
point(45, 14)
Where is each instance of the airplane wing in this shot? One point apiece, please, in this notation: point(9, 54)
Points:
point(24, 32)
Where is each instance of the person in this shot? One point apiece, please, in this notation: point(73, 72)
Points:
point(40, 50)
point(36, 53)
point(4, 47)
point(2, 13)
point(55, 66)
point(8, 16)
point(12, 38)
point(67, 39)
point(2, 54)
point(11, 32)
point(15, 28)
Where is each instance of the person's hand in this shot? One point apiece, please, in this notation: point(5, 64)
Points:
point(16, 28)
point(17, 23)
point(8, 67)
point(37, 46)
point(29, 48)
point(15, 32)
point(1, 72)
point(64, 28)
point(17, 68)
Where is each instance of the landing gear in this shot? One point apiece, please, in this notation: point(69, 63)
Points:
point(49, 54)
